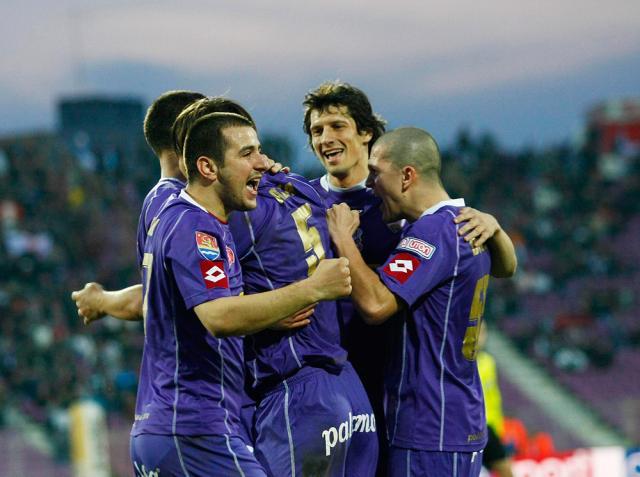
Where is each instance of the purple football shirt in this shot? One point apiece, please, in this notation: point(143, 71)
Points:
point(190, 382)
point(434, 395)
point(374, 238)
point(280, 242)
point(157, 196)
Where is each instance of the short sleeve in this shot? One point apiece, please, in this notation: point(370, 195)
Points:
point(194, 253)
point(424, 258)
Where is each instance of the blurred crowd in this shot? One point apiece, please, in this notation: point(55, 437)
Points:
point(68, 217)
point(65, 219)
point(572, 213)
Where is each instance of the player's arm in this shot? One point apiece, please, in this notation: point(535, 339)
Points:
point(375, 302)
point(246, 314)
point(481, 228)
point(94, 302)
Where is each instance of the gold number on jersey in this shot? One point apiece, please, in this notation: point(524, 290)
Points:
point(147, 266)
point(309, 236)
point(470, 342)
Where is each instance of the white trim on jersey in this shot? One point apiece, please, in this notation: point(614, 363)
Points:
point(328, 186)
point(444, 339)
point(180, 458)
point(433, 209)
point(289, 433)
point(270, 283)
point(402, 370)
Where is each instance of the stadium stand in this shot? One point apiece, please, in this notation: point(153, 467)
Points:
point(66, 219)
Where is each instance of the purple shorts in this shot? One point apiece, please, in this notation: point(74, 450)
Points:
point(410, 462)
point(193, 456)
point(317, 423)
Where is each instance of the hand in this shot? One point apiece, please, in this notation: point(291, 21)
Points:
point(275, 167)
point(297, 320)
point(479, 226)
point(89, 302)
point(332, 279)
point(342, 221)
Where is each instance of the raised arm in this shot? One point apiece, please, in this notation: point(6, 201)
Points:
point(246, 314)
point(94, 302)
point(375, 302)
point(480, 228)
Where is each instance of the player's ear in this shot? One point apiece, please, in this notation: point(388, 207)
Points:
point(207, 168)
point(367, 136)
point(409, 176)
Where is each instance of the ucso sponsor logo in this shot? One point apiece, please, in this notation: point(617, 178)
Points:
point(358, 423)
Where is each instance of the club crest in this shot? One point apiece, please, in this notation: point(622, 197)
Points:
point(207, 246)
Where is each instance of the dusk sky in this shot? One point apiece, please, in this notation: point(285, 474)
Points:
point(525, 71)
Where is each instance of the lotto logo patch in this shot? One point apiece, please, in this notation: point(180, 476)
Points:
point(420, 247)
point(213, 274)
point(402, 266)
point(231, 255)
point(207, 246)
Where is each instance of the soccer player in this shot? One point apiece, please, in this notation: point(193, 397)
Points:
point(93, 301)
point(341, 128)
point(435, 283)
point(313, 416)
point(191, 379)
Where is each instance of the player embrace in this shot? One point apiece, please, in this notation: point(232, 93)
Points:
point(435, 283)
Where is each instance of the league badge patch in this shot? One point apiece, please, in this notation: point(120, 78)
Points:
point(417, 246)
point(207, 246)
point(401, 266)
point(231, 255)
point(213, 274)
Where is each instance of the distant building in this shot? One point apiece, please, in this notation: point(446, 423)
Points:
point(616, 124)
point(107, 130)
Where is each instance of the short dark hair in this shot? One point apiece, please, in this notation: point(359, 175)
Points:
point(411, 146)
point(205, 137)
point(161, 115)
point(337, 93)
point(197, 109)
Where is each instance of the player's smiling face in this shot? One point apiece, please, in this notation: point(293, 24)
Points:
point(336, 141)
point(386, 181)
point(243, 167)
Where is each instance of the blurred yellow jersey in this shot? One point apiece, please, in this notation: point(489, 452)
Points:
point(491, 390)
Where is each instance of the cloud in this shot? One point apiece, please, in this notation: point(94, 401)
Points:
point(270, 51)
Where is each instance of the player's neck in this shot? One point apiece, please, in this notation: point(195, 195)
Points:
point(169, 166)
point(209, 200)
point(419, 200)
point(354, 176)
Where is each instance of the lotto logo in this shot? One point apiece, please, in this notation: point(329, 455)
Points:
point(401, 266)
point(213, 274)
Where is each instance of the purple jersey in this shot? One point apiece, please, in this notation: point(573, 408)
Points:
point(280, 242)
point(165, 188)
point(191, 383)
point(366, 345)
point(434, 395)
point(374, 238)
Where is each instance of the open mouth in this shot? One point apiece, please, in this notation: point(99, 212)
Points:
point(332, 154)
point(252, 184)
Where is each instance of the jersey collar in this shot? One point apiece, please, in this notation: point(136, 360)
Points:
point(439, 205)
point(185, 196)
point(328, 186)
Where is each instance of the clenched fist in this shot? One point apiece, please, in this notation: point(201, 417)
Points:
point(332, 279)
